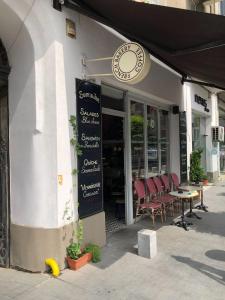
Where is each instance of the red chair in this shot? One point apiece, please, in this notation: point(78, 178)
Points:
point(153, 194)
point(175, 181)
point(142, 206)
point(166, 183)
point(167, 188)
point(166, 198)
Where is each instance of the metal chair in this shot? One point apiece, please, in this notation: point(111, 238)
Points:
point(175, 181)
point(164, 196)
point(145, 207)
point(167, 187)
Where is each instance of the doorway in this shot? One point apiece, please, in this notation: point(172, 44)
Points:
point(113, 171)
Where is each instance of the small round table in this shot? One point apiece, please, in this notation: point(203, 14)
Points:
point(198, 188)
point(183, 196)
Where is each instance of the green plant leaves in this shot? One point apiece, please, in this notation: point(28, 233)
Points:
point(196, 171)
point(74, 250)
point(95, 250)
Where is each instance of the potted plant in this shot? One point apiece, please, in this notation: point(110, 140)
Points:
point(76, 256)
point(196, 171)
point(205, 180)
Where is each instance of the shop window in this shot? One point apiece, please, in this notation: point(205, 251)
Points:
point(112, 98)
point(152, 141)
point(164, 140)
point(137, 140)
point(149, 152)
point(196, 138)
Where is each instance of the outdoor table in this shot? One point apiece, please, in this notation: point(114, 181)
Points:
point(198, 188)
point(183, 196)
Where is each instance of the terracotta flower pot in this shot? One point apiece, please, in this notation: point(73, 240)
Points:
point(76, 264)
point(205, 182)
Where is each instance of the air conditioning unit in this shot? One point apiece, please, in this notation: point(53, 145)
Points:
point(218, 134)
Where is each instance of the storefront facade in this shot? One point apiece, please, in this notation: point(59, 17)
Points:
point(202, 116)
point(138, 148)
point(140, 129)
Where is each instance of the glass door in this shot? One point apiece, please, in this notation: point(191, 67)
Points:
point(113, 171)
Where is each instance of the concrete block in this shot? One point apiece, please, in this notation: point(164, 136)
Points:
point(147, 243)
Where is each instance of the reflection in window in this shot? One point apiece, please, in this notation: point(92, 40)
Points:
point(137, 139)
point(196, 139)
point(164, 141)
point(112, 98)
point(152, 144)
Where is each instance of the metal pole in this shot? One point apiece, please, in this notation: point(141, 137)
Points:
point(99, 75)
point(99, 59)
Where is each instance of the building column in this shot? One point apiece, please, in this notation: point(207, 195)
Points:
point(186, 106)
point(212, 148)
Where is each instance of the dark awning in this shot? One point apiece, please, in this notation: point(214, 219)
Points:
point(190, 42)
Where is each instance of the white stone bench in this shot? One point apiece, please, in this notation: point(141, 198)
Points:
point(147, 243)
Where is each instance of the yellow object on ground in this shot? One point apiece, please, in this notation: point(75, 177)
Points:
point(51, 262)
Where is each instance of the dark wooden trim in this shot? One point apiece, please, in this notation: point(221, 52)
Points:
point(57, 5)
point(4, 72)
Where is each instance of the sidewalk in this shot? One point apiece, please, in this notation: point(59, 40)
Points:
point(189, 265)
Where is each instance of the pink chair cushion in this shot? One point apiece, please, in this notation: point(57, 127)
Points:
point(175, 180)
point(152, 205)
point(158, 184)
point(140, 189)
point(165, 181)
point(151, 186)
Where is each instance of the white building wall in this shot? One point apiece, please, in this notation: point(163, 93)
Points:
point(215, 122)
point(45, 63)
point(32, 113)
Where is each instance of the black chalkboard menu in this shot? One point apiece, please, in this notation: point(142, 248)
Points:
point(90, 140)
point(183, 146)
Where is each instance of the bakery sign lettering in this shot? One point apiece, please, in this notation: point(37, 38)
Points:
point(131, 63)
point(90, 139)
point(202, 102)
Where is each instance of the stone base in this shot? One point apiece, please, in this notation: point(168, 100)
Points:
point(147, 244)
point(31, 246)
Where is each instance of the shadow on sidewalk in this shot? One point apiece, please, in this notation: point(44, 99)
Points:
point(220, 194)
point(216, 254)
point(125, 241)
point(212, 223)
point(211, 272)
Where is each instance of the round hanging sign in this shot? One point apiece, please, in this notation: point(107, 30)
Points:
point(131, 63)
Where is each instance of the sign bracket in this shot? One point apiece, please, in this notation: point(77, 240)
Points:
point(85, 61)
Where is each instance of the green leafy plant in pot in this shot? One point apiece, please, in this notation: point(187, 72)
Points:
point(196, 171)
point(76, 256)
